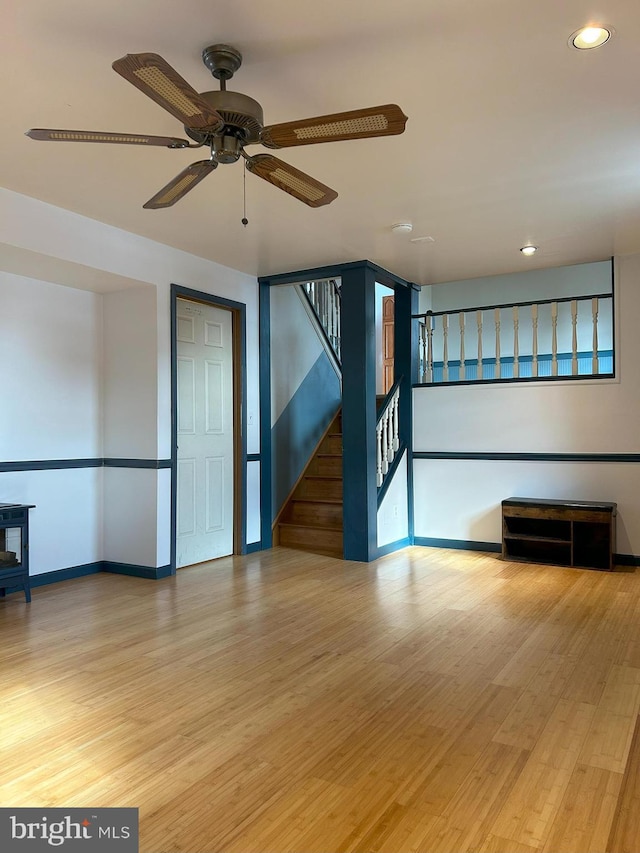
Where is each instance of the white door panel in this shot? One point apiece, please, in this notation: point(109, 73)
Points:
point(205, 433)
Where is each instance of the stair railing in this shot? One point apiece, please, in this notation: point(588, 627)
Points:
point(387, 433)
point(324, 298)
point(514, 340)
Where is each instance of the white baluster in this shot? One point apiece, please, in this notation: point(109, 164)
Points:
point(574, 338)
point(516, 343)
point(462, 374)
point(385, 442)
point(423, 351)
point(594, 346)
point(396, 421)
point(534, 345)
point(554, 338)
point(379, 454)
point(445, 347)
point(390, 448)
point(479, 324)
point(496, 317)
point(429, 348)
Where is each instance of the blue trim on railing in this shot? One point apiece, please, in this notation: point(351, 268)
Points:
point(254, 457)
point(457, 544)
point(390, 547)
point(528, 457)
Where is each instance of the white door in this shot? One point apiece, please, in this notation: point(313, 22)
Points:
point(205, 433)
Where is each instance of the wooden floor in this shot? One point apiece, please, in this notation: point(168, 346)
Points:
point(434, 701)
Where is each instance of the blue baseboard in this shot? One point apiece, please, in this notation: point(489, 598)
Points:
point(383, 550)
point(458, 544)
point(65, 574)
point(626, 560)
point(253, 547)
point(136, 571)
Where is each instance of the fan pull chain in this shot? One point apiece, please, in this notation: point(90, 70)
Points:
point(245, 221)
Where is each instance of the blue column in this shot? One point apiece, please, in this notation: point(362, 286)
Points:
point(358, 324)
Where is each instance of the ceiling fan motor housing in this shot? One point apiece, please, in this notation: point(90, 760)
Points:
point(243, 118)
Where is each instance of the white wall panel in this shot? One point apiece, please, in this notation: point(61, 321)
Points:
point(51, 347)
point(130, 515)
point(253, 502)
point(461, 499)
point(130, 374)
point(393, 513)
point(65, 528)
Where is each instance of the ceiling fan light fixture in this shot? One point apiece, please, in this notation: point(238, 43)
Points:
point(586, 38)
point(527, 251)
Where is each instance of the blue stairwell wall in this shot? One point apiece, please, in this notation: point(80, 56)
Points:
point(300, 426)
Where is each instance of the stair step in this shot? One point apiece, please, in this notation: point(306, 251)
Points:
point(314, 512)
point(325, 464)
point(300, 535)
point(319, 487)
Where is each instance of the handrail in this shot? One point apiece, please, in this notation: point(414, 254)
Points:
point(608, 295)
point(515, 341)
point(327, 315)
point(387, 433)
point(387, 399)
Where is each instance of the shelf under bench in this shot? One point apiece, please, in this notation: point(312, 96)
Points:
point(562, 532)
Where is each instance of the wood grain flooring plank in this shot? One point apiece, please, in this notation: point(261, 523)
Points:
point(625, 830)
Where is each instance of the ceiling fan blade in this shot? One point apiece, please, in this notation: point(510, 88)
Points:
point(291, 180)
point(386, 120)
point(160, 82)
point(181, 184)
point(49, 135)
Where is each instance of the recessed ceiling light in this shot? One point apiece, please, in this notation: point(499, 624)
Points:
point(402, 228)
point(529, 250)
point(587, 38)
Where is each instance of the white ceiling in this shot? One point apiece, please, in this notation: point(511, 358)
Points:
point(512, 136)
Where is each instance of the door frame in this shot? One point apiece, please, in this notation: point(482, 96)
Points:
point(238, 311)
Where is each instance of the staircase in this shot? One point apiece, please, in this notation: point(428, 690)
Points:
point(312, 517)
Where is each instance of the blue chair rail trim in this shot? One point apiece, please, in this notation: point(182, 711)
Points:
point(529, 457)
point(62, 464)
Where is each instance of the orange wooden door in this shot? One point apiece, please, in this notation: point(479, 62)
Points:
point(388, 326)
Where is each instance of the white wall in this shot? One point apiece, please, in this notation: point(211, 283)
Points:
point(131, 374)
point(460, 499)
point(393, 512)
point(67, 351)
point(51, 346)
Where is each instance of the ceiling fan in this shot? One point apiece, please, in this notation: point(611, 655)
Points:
point(228, 121)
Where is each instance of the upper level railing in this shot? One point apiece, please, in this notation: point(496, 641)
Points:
point(324, 298)
point(521, 340)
